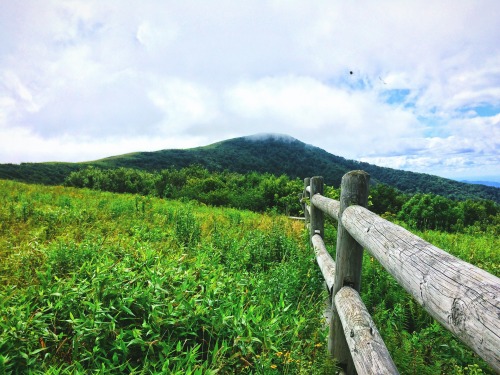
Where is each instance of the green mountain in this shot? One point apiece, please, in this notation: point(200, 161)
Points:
point(276, 154)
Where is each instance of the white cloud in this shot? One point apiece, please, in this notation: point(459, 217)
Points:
point(154, 36)
point(471, 151)
point(183, 104)
point(37, 149)
point(350, 121)
point(75, 73)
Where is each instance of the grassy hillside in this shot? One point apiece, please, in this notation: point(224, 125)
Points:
point(94, 282)
point(273, 154)
point(39, 173)
point(104, 283)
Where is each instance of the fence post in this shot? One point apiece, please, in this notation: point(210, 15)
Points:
point(349, 257)
point(305, 195)
point(317, 217)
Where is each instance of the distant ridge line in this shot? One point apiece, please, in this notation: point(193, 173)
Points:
point(278, 154)
point(485, 183)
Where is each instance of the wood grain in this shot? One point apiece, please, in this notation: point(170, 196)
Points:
point(368, 350)
point(463, 298)
point(325, 261)
point(328, 206)
point(348, 262)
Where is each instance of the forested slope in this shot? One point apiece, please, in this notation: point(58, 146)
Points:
point(269, 154)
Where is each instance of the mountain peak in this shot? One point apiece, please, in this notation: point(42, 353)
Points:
point(273, 153)
point(271, 136)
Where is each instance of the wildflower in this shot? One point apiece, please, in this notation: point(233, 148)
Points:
point(273, 366)
point(318, 345)
point(279, 354)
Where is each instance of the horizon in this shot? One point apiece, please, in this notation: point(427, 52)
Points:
point(286, 137)
point(398, 85)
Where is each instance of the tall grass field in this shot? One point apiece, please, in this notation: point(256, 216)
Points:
point(102, 283)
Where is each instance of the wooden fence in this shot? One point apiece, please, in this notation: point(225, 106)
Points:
point(463, 298)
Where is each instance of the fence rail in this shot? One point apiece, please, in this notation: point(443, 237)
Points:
point(463, 298)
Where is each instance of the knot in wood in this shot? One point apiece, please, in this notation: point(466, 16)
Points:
point(458, 313)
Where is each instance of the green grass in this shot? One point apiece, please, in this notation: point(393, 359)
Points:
point(104, 283)
point(95, 282)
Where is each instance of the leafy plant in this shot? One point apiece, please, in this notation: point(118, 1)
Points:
point(120, 286)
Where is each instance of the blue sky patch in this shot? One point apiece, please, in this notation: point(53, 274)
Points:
point(487, 110)
point(483, 110)
point(396, 96)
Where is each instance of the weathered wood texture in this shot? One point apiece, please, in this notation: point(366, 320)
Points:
point(308, 219)
point(305, 196)
point(316, 215)
point(368, 350)
point(328, 206)
point(325, 261)
point(348, 262)
point(463, 298)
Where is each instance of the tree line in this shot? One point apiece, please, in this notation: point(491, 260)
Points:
point(435, 212)
point(262, 192)
point(252, 191)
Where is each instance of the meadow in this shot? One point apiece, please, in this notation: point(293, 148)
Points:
point(106, 283)
point(97, 282)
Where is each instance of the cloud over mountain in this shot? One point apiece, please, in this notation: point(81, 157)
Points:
point(86, 79)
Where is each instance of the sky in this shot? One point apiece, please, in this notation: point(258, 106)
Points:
point(411, 85)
